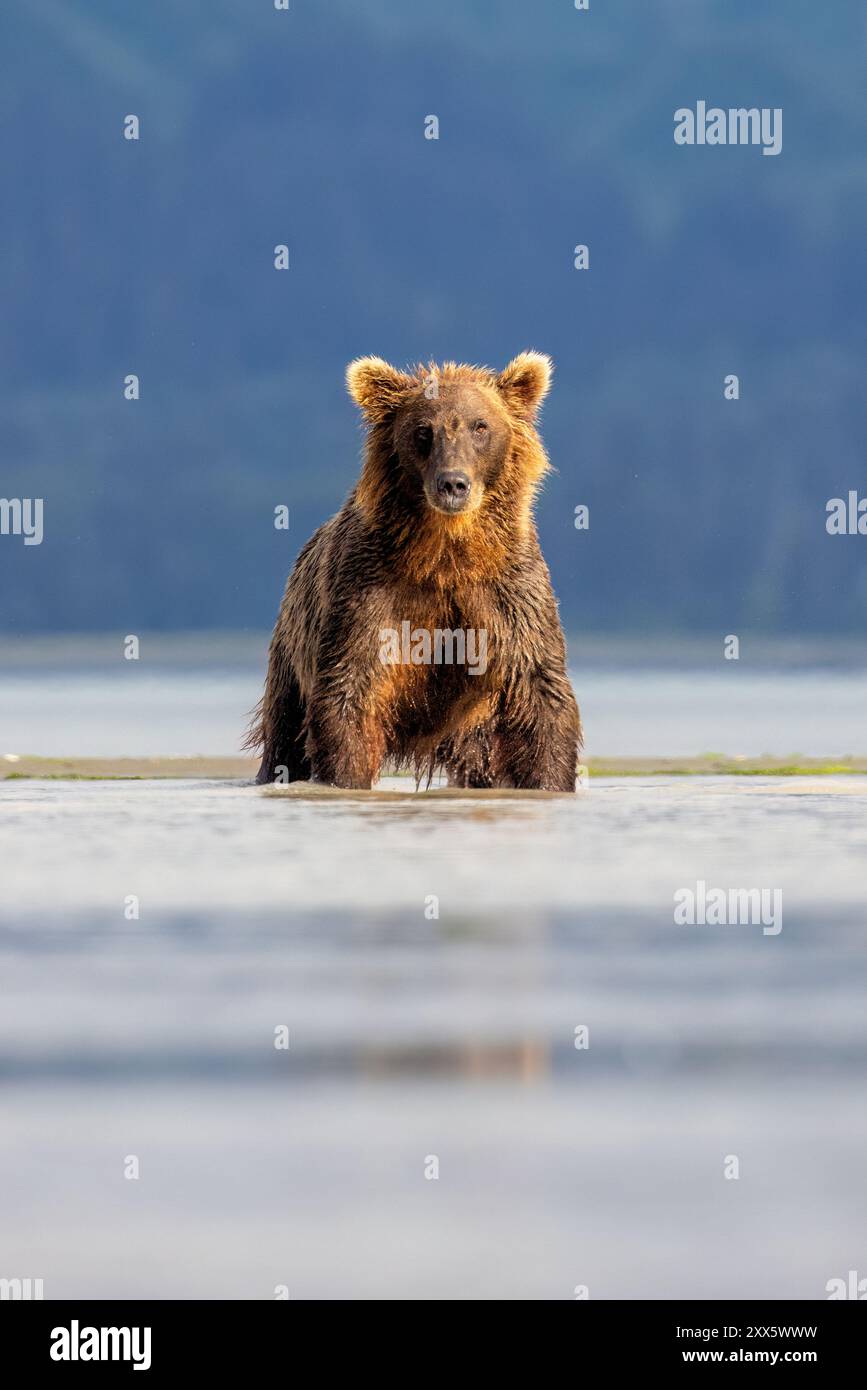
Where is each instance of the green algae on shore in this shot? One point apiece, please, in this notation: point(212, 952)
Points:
point(14, 767)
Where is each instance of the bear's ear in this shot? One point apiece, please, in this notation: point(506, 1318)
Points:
point(376, 387)
point(524, 383)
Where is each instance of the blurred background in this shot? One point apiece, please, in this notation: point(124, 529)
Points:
point(305, 127)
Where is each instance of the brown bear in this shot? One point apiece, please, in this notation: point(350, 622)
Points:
point(419, 627)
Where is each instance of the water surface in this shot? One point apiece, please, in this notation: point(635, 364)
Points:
point(194, 696)
point(414, 1035)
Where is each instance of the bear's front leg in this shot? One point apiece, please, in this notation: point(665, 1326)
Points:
point(346, 724)
point(345, 742)
point(541, 732)
point(345, 738)
point(471, 759)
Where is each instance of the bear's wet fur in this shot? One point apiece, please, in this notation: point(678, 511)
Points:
point(438, 533)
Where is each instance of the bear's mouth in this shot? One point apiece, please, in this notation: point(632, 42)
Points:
point(450, 506)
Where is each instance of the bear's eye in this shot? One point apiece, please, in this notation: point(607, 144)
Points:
point(480, 427)
point(423, 437)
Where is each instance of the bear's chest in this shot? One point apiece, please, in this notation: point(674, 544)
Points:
point(437, 662)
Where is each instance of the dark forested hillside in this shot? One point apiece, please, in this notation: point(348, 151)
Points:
point(306, 127)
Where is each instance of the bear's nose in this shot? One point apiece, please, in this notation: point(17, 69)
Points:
point(453, 485)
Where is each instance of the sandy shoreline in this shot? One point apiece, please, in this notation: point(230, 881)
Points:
point(103, 769)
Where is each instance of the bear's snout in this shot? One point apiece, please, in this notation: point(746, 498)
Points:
point(453, 489)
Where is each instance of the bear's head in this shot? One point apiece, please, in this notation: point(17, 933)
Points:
point(451, 439)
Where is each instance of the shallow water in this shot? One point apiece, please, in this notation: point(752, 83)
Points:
point(137, 710)
point(414, 1035)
